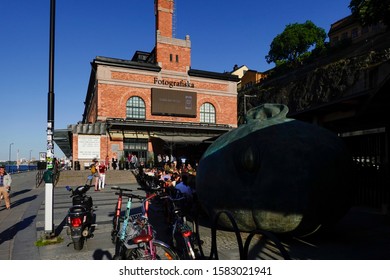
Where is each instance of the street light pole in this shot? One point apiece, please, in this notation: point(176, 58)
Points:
point(9, 158)
point(48, 176)
point(50, 98)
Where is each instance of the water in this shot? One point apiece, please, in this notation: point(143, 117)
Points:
point(21, 168)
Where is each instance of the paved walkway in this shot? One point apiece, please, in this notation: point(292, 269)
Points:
point(360, 235)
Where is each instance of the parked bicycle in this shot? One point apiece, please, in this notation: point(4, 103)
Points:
point(118, 218)
point(185, 238)
point(136, 237)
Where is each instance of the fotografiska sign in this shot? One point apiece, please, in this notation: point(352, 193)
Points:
point(172, 84)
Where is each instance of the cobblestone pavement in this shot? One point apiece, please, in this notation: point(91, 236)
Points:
point(362, 234)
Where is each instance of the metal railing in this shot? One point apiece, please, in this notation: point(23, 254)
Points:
point(243, 248)
point(39, 177)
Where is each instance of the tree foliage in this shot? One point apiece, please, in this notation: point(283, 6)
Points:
point(371, 11)
point(293, 44)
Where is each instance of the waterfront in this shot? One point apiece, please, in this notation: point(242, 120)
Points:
point(19, 168)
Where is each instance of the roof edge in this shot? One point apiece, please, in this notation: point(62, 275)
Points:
point(102, 60)
point(213, 75)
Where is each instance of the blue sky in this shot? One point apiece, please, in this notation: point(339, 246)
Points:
point(222, 33)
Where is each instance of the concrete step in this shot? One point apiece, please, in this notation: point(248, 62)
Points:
point(79, 177)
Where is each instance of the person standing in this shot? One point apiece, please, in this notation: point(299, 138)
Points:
point(95, 173)
point(130, 158)
point(102, 175)
point(166, 159)
point(159, 161)
point(114, 163)
point(5, 185)
point(134, 161)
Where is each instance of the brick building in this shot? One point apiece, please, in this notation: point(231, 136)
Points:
point(153, 104)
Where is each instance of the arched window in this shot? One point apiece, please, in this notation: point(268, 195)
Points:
point(135, 108)
point(207, 113)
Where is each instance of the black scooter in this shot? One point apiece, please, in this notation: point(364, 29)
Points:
point(80, 221)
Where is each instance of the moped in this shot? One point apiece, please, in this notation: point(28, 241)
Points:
point(80, 220)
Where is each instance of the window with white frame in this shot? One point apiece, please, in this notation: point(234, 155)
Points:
point(135, 108)
point(207, 113)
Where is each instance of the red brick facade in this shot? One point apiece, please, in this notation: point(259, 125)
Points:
point(113, 98)
point(114, 81)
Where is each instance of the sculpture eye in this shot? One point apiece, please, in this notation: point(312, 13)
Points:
point(250, 159)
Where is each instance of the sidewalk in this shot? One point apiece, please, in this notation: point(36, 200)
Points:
point(360, 235)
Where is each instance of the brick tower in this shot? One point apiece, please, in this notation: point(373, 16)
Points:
point(171, 53)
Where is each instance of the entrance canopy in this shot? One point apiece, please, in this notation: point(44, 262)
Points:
point(63, 139)
point(120, 129)
point(182, 138)
point(170, 132)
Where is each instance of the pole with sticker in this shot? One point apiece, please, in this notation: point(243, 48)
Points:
point(48, 175)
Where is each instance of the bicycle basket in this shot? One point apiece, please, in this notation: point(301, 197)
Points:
point(131, 229)
point(135, 217)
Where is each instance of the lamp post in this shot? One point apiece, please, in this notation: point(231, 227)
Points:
point(48, 175)
point(9, 158)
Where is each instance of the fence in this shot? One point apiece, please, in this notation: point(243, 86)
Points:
point(370, 155)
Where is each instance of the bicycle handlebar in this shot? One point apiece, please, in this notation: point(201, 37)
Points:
point(120, 189)
point(131, 195)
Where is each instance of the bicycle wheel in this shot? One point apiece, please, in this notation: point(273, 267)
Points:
point(185, 246)
point(196, 242)
point(163, 252)
point(186, 240)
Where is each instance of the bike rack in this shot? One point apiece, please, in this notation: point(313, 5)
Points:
point(243, 249)
point(268, 235)
point(39, 178)
point(214, 250)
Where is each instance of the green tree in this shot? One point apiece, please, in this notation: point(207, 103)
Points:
point(293, 44)
point(371, 11)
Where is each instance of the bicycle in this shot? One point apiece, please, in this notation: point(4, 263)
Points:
point(116, 222)
point(122, 233)
point(136, 238)
point(39, 178)
point(184, 236)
